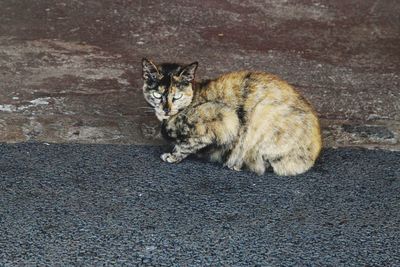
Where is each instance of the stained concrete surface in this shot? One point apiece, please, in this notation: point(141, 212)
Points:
point(117, 205)
point(70, 70)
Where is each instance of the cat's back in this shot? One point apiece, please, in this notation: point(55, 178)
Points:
point(249, 87)
point(277, 122)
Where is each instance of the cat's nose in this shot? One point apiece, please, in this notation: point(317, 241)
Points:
point(166, 110)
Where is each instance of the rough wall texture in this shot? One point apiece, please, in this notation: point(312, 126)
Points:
point(70, 70)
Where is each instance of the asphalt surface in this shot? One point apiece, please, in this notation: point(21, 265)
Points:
point(96, 205)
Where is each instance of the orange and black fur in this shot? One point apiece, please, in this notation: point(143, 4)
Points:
point(241, 119)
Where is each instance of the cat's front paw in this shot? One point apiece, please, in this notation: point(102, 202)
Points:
point(234, 164)
point(235, 167)
point(170, 158)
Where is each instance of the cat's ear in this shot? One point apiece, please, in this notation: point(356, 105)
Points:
point(188, 72)
point(150, 71)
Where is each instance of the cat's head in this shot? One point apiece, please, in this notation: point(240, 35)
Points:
point(168, 87)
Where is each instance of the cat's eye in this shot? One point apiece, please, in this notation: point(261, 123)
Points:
point(178, 96)
point(151, 83)
point(156, 94)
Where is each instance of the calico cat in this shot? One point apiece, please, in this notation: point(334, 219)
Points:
point(242, 119)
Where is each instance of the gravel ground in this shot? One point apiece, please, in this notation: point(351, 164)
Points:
point(90, 205)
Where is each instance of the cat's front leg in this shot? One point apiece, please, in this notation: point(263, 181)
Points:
point(234, 162)
point(170, 158)
point(236, 156)
point(184, 149)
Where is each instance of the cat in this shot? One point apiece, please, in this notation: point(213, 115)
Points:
point(242, 119)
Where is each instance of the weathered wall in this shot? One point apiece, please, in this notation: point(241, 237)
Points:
point(70, 70)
